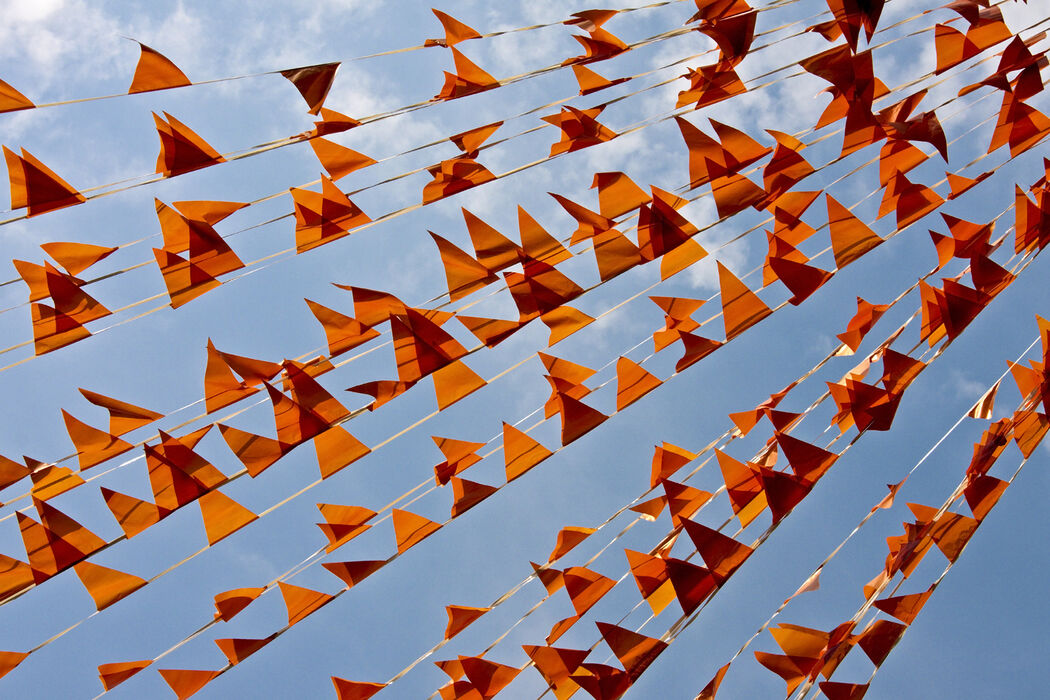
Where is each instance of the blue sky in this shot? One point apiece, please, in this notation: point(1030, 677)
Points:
point(63, 49)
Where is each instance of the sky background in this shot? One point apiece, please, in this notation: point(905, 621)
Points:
point(982, 633)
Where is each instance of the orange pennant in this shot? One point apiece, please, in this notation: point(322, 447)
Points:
point(113, 674)
point(12, 100)
point(339, 161)
point(223, 516)
point(455, 31)
point(106, 586)
point(186, 682)
point(313, 83)
point(355, 690)
point(741, 308)
point(300, 601)
point(181, 149)
point(155, 72)
point(850, 237)
point(35, 186)
point(132, 514)
point(411, 529)
point(459, 617)
point(343, 523)
point(521, 452)
point(229, 603)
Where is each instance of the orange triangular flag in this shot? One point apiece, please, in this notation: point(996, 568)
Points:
point(123, 416)
point(10, 659)
point(467, 80)
point(106, 586)
point(459, 617)
point(568, 538)
point(904, 607)
point(667, 459)
point(343, 523)
point(577, 418)
point(410, 529)
point(113, 674)
point(186, 682)
point(632, 382)
point(355, 690)
point(181, 149)
point(454, 382)
point(354, 572)
point(635, 651)
point(336, 448)
point(53, 480)
point(467, 494)
point(229, 603)
point(93, 446)
point(237, 650)
point(339, 160)
point(76, 257)
point(12, 100)
point(464, 274)
point(537, 243)
point(223, 516)
point(455, 31)
point(741, 308)
point(313, 83)
point(300, 602)
point(256, 452)
point(155, 72)
point(521, 453)
point(133, 515)
point(342, 332)
point(850, 237)
point(592, 82)
point(37, 187)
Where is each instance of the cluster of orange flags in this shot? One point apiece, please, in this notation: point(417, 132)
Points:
point(195, 258)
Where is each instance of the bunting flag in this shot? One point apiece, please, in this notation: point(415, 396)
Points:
point(319, 269)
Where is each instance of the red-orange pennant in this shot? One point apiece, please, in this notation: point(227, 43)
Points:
point(181, 149)
point(35, 186)
point(904, 607)
point(355, 690)
point(313, 83)
point(354, 572)
point(324, 217)
point(635, 651)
